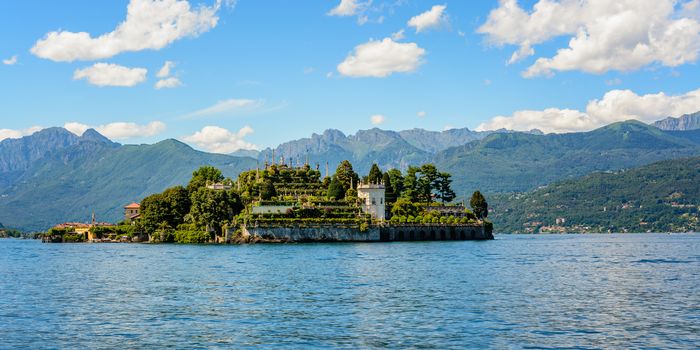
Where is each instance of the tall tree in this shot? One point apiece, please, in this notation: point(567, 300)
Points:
point(396, 179)
point(444, 188)
point(375, 175)
point(427, 182)
point(202, 176)
point(410, 184)
point(211, 208)
point(389, 189)
point(346, 175)
point(169, 208)
point(267, 190)
point(335, 189)
point(479, 205)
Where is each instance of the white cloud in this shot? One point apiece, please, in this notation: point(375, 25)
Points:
point(382, 58)
point(430, 19)
point(149, 24)
point(522, 53)
point(398, 35)
point(421, 114)
point(119, 130)
point(10, 61)
point(624, 36)
point(15, 134)
point(168, 83)
point(164, 71)
point(219, 140)
point(377, 119)
point(231, 105)
point(615, 106)
point(346, 8)
point(109, 74)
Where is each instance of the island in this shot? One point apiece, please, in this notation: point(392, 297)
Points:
point(282, 202)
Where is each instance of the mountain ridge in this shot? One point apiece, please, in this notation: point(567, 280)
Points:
point(683, 123)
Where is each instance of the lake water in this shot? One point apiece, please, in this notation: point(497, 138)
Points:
point(557, 291)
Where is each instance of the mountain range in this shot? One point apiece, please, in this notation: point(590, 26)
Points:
point(389, 149)
point(54, 176)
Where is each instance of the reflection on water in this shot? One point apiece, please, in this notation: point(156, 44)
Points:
point(577, 291)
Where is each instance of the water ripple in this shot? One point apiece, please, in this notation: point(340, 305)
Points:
point(559, 292)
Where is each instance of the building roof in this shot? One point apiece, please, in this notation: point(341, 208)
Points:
point(133, 206)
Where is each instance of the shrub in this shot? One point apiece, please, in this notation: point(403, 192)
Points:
point(191, 236)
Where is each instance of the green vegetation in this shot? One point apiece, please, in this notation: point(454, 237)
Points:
point(10, 233)
point(660, 197)
point(479, 205)
point(196, 214)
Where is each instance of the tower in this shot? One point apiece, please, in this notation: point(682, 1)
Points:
point(372, 199)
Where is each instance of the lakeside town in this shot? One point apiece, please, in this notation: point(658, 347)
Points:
point(292, 203)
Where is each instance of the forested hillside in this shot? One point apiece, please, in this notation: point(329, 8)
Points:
point(661, 197)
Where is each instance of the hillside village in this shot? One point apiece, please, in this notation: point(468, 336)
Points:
point(281, 202)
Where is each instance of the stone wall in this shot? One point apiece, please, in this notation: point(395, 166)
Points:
point(436, 232)
point(311, 234)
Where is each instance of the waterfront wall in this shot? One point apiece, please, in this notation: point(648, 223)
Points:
point(311, 234)
point(388, 233)
point(435, 232)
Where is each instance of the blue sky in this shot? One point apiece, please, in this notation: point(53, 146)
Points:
point(258, 73)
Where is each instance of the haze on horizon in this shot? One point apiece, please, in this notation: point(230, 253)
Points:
point(228, 75)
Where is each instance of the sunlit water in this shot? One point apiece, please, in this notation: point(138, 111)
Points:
point(559, 291)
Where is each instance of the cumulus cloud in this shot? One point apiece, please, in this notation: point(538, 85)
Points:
point(119, 130)
point(625, 36)
point(377, 119)
point(109, 74)
point(10, 61)
point(381, 58)
point(232, 105)
point(15, 134)
point(346, 8)
point(430, 19)
point(149, 24)
point(615, 106)
point(164, 71)
point(168, 83)
point(219, 140)
point(421, 114)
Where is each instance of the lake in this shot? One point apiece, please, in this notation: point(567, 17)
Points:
point(518, 291)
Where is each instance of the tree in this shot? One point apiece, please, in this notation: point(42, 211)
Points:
point(388, 188)
point(212, 208)
point(426, 182)
point(444, 189)
point(410, 184)
point(375, 175)
point(335, 189)
point(268, 190)
point(404, 207)
point(326, 182)
point(202, 176)
point(169, 207)
point(396, 180)
point(479, 205)
point(346, 176)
